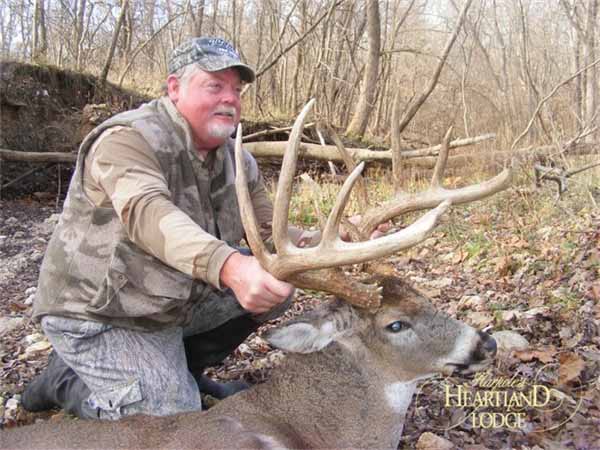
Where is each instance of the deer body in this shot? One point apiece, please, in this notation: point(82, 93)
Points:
point(347, 384)
point(269, 416)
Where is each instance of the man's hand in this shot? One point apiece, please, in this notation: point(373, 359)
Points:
point(256, 289)
point(381, 229)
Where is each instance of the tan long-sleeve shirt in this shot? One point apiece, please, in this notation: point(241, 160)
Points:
point(122, 172)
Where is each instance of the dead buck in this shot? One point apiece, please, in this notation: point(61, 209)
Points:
point(354, 364)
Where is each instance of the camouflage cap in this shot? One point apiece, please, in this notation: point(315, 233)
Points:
point(212, 55)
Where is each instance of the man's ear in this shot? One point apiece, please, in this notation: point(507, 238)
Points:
point(314, 332)
point(173, 88)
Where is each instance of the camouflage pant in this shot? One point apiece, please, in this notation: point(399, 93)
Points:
point(131, 372)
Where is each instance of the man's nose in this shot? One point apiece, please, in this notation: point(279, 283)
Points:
point(231, 95)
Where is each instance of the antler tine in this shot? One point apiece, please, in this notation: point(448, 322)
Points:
point(331, 230)
point(281, 205)
point(246, 209)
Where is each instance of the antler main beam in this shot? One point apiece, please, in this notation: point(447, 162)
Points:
point(404, 203)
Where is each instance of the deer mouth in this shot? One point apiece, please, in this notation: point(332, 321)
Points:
point(465, 369)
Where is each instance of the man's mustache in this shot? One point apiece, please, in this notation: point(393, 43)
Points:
point(225, 110)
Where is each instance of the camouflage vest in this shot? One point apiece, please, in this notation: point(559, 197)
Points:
point(92, 271)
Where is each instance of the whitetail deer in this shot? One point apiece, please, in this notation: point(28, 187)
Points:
point(353, 368)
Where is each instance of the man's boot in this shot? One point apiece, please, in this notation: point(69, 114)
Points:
point(211, 347)
point(218, 390)
point(58, 386)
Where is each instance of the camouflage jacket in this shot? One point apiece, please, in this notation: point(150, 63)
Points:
point(156, 243)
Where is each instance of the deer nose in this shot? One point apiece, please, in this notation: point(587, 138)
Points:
point(487, 347)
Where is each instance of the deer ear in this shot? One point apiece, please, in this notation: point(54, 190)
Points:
point(311, 334)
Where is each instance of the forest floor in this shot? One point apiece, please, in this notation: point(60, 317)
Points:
point(520, 262)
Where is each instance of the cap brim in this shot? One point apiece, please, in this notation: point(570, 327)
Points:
point(246, 72)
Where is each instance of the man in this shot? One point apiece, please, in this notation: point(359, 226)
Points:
point(143, 285)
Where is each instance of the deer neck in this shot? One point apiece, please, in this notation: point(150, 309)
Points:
point(337, 399)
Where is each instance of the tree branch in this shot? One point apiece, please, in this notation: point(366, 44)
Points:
point(547, 97)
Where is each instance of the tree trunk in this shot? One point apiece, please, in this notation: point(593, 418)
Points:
point(234, 26)
point(397, 168)
point(295, 95)
point(576, 47)
point(79, 33)
point(358, 124)
point(39, 45)
point(591, 88)
point(113, 44)
point(149, 8)
point(127, 36)
point(260, 20)
point(213, 25)
point(36, 25)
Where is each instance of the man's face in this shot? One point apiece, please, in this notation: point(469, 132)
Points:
point(210, 102)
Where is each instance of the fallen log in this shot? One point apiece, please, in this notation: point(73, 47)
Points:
point(273, 131)
point(433, 151)
point(498, 159)
point(271, 150)
point(275, 149)
point(38, 157)
point(311, 151)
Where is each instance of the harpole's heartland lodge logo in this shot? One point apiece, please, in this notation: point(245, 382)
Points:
point(497, 402)
point(489, 401)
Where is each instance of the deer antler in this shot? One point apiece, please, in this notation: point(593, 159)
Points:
point(313, 268)
point(403, 202)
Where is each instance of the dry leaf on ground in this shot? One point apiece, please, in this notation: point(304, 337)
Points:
point(571, 366)
point(545, 355)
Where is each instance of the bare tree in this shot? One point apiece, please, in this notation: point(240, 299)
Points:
point(198, 17)
point(79, 32)
point(583, 17)
point(215, 11)
point(591, 87)
point(359, 122)
point(39, 45)
point(413, 108)
point(111, 51)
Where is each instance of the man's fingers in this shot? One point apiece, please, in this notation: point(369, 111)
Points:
point(267, 298)
point(257, 290)
point(381, 230)
point(355, 220)
point(303, 242)
point(256, 304)
point(384, 227)
point(278, 288)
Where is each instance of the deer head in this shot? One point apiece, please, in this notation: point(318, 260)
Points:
point(405, 333)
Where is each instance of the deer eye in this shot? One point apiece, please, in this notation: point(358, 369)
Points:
point(398, 326)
